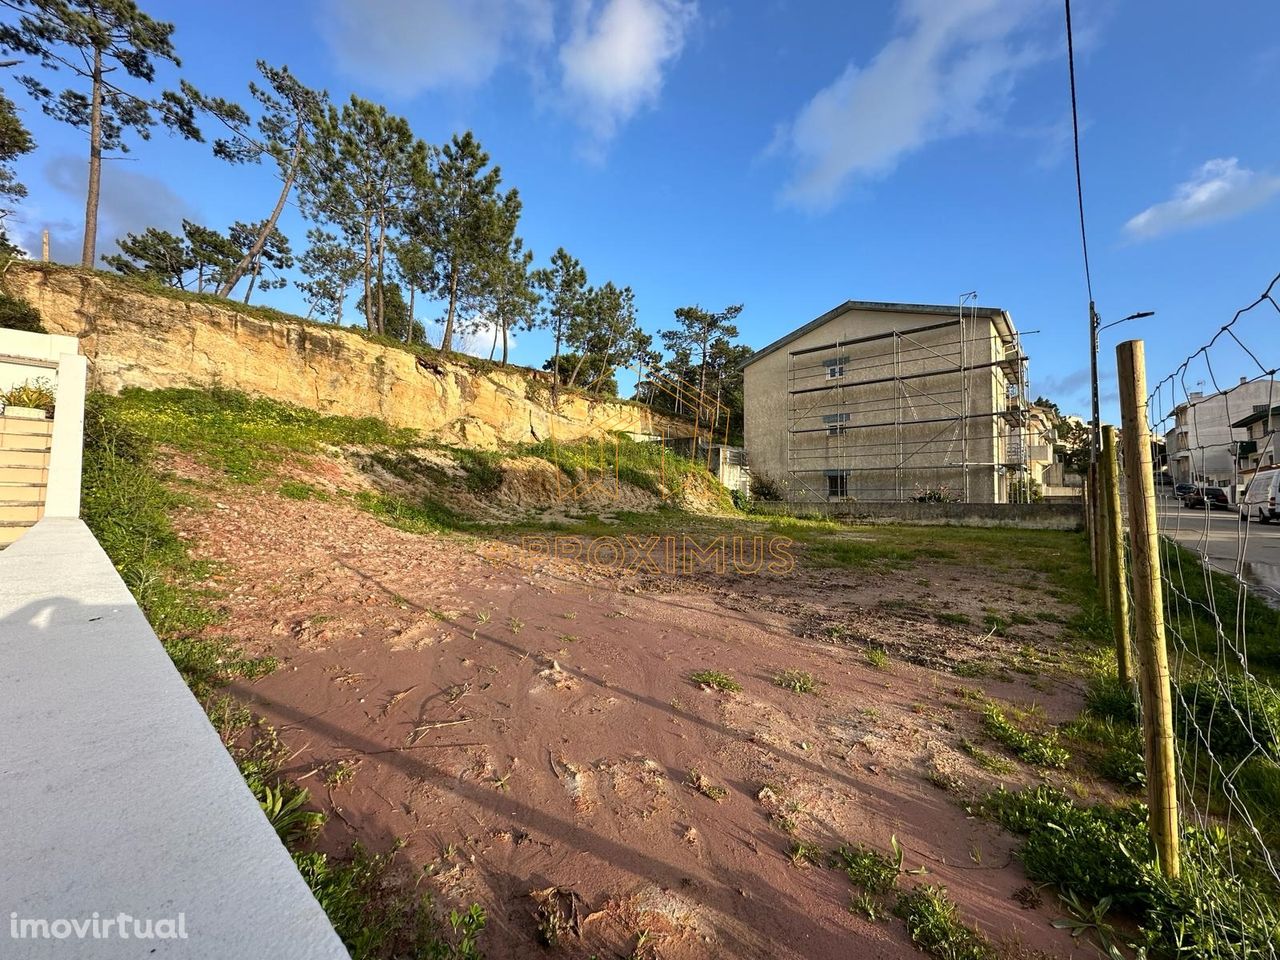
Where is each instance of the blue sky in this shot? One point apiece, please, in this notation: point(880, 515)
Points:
point(790, 155)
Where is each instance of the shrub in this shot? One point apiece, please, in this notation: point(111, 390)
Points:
point(1222, 906)
point(764, 488)
point(17, 314)
point(1238, 714)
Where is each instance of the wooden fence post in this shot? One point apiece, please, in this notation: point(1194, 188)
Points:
point(1148, 609)
point(1091, 487)
point(1113, 545)
point(1104, 525)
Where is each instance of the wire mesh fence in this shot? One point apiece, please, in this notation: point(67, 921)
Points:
point(1218, 616)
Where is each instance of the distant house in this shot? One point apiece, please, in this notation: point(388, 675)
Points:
point(892, 401)
point(1260, 448)
point(1202, 445)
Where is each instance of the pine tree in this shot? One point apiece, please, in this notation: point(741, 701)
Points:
point(154, 254)
point(331, 268)
point(359, 179)
point(564, 284)
point(699, 330)
point(15, 140)
point(513, 299)
point(288, 113)
point(265, 250)
point(466, 223)
point(92, 39)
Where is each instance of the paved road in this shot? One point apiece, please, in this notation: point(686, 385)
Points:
point(1223, 538)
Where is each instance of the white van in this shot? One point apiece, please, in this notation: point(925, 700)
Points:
point(1260, 497)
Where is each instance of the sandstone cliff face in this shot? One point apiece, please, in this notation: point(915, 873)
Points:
point(136, 339)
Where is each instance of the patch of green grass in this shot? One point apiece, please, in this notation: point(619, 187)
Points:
point(618, 458)
point(936, 928)
point(863, 554)
point(484, 469)
point(1238, 714)
point(241, 436)
point(299, 490)
point(1118, 743)
point(716, 680)
point(378, 919)
point(878, 657)
point(803, 854)
point(1223, 905)
point(988, 761)
point(1205, 604)
point(797, 681)
point(1041, 750)
point(422, 515)
point(868, 869)
point(1107, 698)
point(953, 619)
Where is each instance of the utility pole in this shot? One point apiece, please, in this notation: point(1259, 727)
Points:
point(1096, 327)
point(1095, 435)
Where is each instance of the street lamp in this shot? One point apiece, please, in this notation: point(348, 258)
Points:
point(1095, 327)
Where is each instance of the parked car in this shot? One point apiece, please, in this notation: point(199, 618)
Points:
point(1260, 498)
point(1180, 490)
point(1207, 498)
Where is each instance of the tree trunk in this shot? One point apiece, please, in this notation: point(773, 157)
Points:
point(408, 336)
point(382, 260)
point(577, 367)
point(260, 242)
point(555, 363)
point(253, 278)
point(504, 344)
point(446, 344)
point(368, 279)
point(88, 252)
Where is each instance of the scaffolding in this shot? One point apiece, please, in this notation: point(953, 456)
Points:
point(931, 412)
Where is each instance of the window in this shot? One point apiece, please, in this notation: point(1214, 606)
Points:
point(837, 485)
point(835, 423)
point(835, 367)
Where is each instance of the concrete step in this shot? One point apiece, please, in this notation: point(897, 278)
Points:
point(25, 425)
point(30, 473)
point(24, 457)
point(23, 492)
point(12, 530)
point(21, 511)
point(13, 440)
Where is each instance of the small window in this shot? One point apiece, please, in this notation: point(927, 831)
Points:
point(837, 486)
point(835, 423)
point(835, 367)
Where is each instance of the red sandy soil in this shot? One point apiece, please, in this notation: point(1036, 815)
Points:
point(530, 728)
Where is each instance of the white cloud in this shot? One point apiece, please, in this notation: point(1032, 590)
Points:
point(407, 46)
point(1219, 190)
point(950, 70)
point(613, 60)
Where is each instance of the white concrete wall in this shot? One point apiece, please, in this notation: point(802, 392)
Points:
point(117, 794)
point(28, 357)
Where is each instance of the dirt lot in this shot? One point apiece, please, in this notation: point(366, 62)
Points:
point(529, 728)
